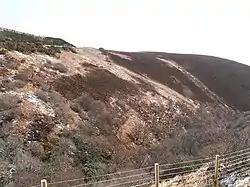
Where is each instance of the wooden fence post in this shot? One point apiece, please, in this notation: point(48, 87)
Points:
point(216, 171)
point(157, 175)
point(44, 183)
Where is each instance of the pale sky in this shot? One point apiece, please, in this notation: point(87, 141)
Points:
point(212, 27)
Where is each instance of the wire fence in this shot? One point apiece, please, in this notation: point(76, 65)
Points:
point(206, 172)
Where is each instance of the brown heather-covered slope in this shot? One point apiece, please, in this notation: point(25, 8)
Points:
point(226, 78)
point(90, 112)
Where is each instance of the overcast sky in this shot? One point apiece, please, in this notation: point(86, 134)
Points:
point(213, 27)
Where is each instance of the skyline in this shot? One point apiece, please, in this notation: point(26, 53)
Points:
point(215, 28)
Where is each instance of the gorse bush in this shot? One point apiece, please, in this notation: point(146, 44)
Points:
point(27, 43)
point(20, 36)
point(90, 158)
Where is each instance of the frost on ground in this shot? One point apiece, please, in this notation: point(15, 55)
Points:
point(236, 180)
point(203, 178)
point(36, 103)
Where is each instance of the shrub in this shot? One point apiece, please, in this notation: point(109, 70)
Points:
point(12, 64)
point(88, 65)
point(5, 119)
point(73, 50)
point(83, 102)
point(39, 81)
point(63, 112)
point(56, 97)
point(10, 85)
point(23, 60)
point(56, 66)
point(40, 128)
point(101, 49)
point(62, 109)
point(36, 148)
point(24, 75)
point(42, 95)
point(96, 111)
point(47, 65)
point(48, 61)
point(2, 63)
point(4, 176)
point(65, 48)
point(60, 67)
point(104, 51)
point(3, 51)
point(33, 49)
point(8, 101)
point(54, 50)
point(88, 157)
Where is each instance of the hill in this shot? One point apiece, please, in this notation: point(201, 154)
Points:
point(226, 78)
point(28, 43)
point(95, 111)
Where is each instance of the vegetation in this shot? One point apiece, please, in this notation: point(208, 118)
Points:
point(3, 51)
point(63, 125)
point(27, 43)
point(97, 84)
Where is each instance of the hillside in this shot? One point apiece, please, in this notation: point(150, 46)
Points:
point(228, 79)
point(28, 43)
point(85, 111)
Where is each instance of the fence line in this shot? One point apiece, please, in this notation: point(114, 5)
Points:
point(106, 175)
point(119, 178)
point(186, 162)
point(183, 167)
point(235, 156)
point(235, 152)
point(205, 171)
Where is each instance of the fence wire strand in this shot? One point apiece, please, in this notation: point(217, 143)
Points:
point(186, 162)
point(235, 156)
point(231, 162)
point(108, 180)
point(183, 167)
point(100, 176)
point(235, 152)
point(115, 185)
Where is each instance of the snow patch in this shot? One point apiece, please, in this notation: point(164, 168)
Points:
point(122, 56)
point(40, 105)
